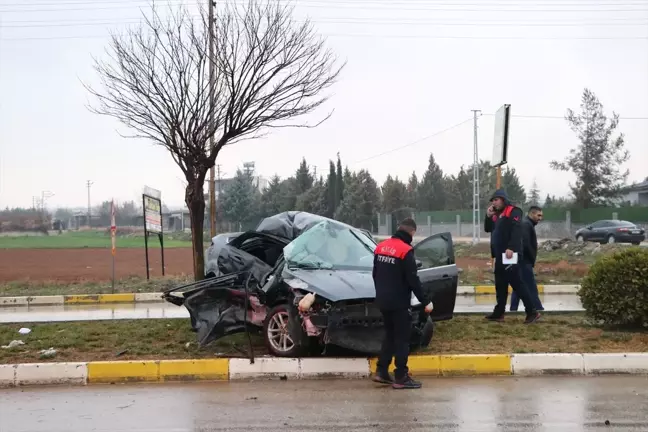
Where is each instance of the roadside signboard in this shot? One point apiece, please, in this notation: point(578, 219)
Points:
point(153, 214)
point(502, 129)
point(152, 208)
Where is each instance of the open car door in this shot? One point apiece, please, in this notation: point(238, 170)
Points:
point(438, 273)
point(219, 306)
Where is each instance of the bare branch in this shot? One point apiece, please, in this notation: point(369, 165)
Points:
point(273, 68)
point(268, 70)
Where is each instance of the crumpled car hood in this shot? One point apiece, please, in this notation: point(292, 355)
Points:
point(335, 285)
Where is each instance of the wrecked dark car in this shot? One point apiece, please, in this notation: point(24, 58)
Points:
point(256, 281)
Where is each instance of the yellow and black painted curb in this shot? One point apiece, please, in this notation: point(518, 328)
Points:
point(234, 369)
point(87, 299)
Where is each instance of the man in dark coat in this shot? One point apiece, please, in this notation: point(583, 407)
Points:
point(504, 222)
point(530, 248)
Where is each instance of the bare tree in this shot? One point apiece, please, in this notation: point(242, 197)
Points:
point(269, 70)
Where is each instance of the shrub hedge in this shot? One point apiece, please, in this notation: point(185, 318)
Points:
point(615, 290)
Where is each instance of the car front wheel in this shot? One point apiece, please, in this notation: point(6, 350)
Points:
point(611, 239)
point(282, 333)
point(580, 239)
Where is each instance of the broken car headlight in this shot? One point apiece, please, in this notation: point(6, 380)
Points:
point(296, 284)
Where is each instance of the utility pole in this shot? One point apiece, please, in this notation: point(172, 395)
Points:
point(88, 185)
point(218, 178)
point(44, 195)
point(212, 143)
point(218, 192)
point(476, 198)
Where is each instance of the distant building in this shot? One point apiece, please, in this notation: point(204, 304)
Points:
point(259, 182)
point(636, 194)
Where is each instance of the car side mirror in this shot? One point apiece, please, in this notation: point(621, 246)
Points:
point(419, 264)
point(589, 227)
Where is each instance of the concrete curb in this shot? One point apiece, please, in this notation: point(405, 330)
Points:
point(476, 290)
point(81, 299)
point(267, 368)
point(86, 299)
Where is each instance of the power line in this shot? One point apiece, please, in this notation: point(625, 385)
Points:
point(497, 4)
point(469, 120)
point(584, 20)
point(415, 142)
point(368, 35)
point(563, 118)
point(578, 3)
point(642, 23)
point(344, 5)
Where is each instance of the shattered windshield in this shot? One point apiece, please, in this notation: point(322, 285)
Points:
point(330, 245)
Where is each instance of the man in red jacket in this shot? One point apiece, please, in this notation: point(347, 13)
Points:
point(395, 276)
point(503, 221)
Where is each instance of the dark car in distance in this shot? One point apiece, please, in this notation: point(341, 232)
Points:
point(256, 280)
point(612, 231)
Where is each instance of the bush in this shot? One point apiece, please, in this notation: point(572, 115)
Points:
point(615, 291)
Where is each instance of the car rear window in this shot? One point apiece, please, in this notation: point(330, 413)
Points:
point(622, 223)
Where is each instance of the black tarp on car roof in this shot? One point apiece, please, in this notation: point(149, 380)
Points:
point(288, 225)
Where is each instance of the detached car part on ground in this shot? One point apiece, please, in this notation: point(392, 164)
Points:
point(257, 279)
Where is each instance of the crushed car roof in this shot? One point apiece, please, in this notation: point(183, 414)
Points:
point(289, 224)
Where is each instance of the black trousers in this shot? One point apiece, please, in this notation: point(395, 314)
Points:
point(528, 278)
point(398, 330)
point(506, 275)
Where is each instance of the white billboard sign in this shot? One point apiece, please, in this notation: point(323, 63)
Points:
point(502, 128)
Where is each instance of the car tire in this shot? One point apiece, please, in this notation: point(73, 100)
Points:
point(580, 239)
point(427, 333)
point(282, 333)
point(611, 239)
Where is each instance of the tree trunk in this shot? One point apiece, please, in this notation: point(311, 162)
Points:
point(195, 200)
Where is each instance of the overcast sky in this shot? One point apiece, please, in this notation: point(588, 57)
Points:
point(415, 67)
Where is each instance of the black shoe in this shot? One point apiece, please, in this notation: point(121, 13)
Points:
point(382, 378)
point(533, 318)
point(494, 317)
point(406, 383)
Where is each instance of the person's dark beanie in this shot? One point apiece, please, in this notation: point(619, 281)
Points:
point(500, 193)
point(408, 223)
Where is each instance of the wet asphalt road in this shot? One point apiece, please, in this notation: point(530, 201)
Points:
point(465, 304)
point(446, 404)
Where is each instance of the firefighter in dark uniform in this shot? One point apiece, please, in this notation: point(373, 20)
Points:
point(395, 276)
point(503, 221)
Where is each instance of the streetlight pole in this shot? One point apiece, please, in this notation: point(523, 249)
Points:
point(212, 143)
point(89, 185)
point(476, 218)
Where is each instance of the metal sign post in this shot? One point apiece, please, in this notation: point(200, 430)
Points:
point(113, 235)
point(500, 144)
point(152, 207)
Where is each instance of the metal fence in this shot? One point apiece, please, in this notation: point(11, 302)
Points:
point(558, 223)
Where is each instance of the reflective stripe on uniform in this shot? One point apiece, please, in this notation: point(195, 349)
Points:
point(393, 247)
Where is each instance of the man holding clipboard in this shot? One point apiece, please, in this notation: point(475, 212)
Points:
point(504, 222)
